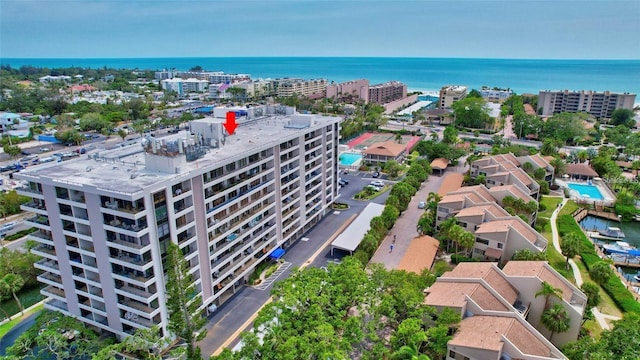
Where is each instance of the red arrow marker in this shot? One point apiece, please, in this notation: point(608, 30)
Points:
point(231, 125)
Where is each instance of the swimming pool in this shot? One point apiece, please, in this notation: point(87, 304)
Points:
point(348, 159)
point(587, 191)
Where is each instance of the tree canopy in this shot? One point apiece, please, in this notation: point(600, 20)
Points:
point(471, 112)
point(347, 312)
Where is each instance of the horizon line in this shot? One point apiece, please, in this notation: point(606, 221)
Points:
point(4, 59)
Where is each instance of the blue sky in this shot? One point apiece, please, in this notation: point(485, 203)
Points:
point(550, 29)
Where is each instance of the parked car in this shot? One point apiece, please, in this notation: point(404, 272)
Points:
point(375, 188)
point(377, 183)
point(422, 205)
point(45, 149)
point(376, 174)
point(343, 182)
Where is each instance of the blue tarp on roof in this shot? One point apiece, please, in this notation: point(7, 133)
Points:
point(277, 254)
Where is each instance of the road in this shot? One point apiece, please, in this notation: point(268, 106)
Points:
point(9, 338)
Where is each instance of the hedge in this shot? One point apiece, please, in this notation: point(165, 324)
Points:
point(614, 287)
point(20, 234)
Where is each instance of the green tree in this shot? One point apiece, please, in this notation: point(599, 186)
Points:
point(592, 290)
point(556, 319)
point(11, 284)
point(623, 117)
point(122, 133)
point(601, 272)
point(570, 247)
point(144, 344)
point(185, 321)
point(528, 255)
point(547, 290)
point(549, 147)
point(408, 352)
point(558, 165)
point(12, 150)
point(471, 112)
point(450, 135)
point(392, 168)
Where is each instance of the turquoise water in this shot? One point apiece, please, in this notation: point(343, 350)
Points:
point(348, 159)
point(588, 191)
point(521, 75)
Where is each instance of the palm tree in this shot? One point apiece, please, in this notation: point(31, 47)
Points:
point(582, 156)
point(11, 284)
point(547, 290)
point(601, 272)
point(556, 319)
point(434, 197)
point(570, 247)
point(407, 352)
point(559, 166)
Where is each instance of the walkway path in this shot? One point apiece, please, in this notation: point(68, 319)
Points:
point(600, 317)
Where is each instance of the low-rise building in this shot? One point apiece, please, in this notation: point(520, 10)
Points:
point(380, 153)
point(450, 94)
point(495, 94)
point(500, 312)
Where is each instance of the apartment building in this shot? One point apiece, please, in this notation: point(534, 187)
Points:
point(500, 312)
point(495, 95)
point(173, 85)
point(257, 88)
point(597, 104)
point(164, 75)
point(450, 94)
point(387, 92)
point(498, 234)
point(287, 87)
point(229, 201)
point(507, 169)
point(354, 89)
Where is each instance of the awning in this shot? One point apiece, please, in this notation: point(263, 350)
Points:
point(493, 253)
point(277, 254)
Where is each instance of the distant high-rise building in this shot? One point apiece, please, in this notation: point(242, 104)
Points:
point(450, 94)
point(597, 104)
point(287, 87)
point(229, 202)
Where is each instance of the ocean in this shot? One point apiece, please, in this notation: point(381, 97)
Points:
point(520, 75)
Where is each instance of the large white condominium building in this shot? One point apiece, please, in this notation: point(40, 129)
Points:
point(598, 104)
point(228, 201)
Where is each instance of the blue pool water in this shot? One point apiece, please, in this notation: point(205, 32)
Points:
point(587, 191)
point(348, 159)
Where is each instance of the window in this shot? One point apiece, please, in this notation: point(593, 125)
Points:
point(482, 241)
point(500, 245)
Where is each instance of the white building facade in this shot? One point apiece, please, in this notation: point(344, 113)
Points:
point(104, 221)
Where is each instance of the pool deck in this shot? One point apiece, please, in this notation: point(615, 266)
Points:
point(608, 197)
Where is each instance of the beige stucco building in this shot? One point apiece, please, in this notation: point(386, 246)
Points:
point(597, 104)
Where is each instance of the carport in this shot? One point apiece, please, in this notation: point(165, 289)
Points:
point(354, 233)
point(277, 254)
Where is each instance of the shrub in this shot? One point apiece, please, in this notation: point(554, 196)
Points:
point(20, 234)
point(457, 258)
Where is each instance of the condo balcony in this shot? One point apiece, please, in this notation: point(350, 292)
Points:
point(30, 189)
point(38, 220)
point(126, 206)
point(47, 265)
point(44, 250)
point(50, 279)
point(53, 292)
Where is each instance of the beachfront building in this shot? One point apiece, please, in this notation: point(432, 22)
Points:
point(450, 94)
point(228, 201)
point(495, 94)
point(597, 104)
point(500, 312)
point(255, 89)
point(50, 79)
point(287, 87)
point(387, 92)
point(351, 90)
point(219, 77)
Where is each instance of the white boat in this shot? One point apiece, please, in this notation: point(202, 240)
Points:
point(612, 232)
point(637, 278)
point(621, 247)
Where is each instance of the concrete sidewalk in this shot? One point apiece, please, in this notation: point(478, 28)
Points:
point(600, 317)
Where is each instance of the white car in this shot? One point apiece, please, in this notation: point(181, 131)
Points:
point(377, 183)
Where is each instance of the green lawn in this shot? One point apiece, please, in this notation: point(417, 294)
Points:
point(550, 203)
point(569, 208)
point(27, 297)
point(4, 329)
